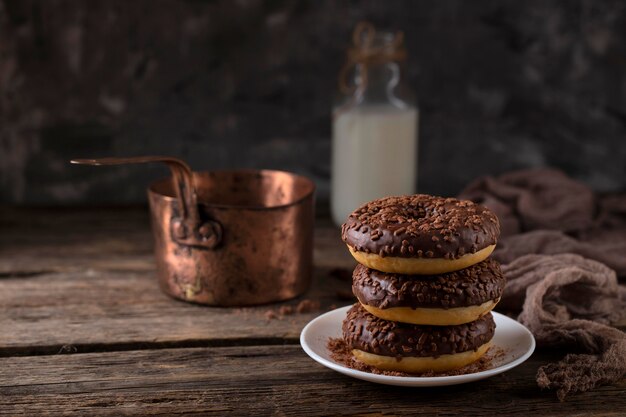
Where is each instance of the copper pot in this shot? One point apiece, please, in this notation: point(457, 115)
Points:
point(230, 238)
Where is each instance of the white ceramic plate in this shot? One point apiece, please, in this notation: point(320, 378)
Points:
point(515, 339)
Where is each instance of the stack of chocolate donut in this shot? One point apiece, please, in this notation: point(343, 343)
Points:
point(425, 283)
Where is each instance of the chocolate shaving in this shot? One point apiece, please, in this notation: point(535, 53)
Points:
point(362, 330)
point(307, 306)
point(471, 286)
point(303, 307)
point(421, 226)
point(341, 353)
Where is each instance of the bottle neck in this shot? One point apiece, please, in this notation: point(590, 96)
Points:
point(381, 84)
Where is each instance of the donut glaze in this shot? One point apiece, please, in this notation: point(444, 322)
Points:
point(468, 287)
point(421, 226)
point(442, 300)
point(367, 333)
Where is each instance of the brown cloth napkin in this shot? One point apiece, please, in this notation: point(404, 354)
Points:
point(566, 300)
point(544, 211)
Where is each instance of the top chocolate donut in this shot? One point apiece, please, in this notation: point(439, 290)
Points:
point(421, 226)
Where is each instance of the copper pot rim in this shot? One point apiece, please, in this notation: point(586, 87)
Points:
point(249, 171)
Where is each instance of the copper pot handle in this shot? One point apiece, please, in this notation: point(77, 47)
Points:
point(187, 228)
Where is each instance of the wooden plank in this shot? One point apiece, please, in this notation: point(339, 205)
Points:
point(85, 279)
point(263, 380)
point(92, 309)
point(36, 241)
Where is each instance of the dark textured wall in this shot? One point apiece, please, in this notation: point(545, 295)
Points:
point(501, 85)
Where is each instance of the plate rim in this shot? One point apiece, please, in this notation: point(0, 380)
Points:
point(415, 379)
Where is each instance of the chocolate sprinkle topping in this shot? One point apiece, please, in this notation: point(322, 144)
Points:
point(471, 286)
point(342, 354)
point(421, 226)
point(368, 333)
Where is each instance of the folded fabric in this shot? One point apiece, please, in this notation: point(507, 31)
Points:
point(566, 298)
point(544, 211)
point(607, 246)
point(567, 301)
point(535, 199)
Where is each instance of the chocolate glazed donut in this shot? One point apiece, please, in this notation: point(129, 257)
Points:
point(448, 299)
point(395, 346)
point(420, 234)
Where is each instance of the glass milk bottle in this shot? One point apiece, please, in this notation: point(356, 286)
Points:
point(374, 139)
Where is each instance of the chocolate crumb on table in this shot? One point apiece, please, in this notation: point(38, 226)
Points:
point(303, 307)
point(307, 306)
point(270, 315)
point(285, 310)
point(342, 354)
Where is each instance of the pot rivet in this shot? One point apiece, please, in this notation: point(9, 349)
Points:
point(206, 231)
point(180, 231)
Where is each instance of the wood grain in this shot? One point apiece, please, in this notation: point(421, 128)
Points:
point(262, 380)
point(86, 280)
point(85, 330)
point(35, 241)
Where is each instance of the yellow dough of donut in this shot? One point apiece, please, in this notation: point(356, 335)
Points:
point(419, 266)
point(413, 364)
point(433, 316)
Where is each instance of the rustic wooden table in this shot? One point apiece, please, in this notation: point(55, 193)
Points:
point(84, 329)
